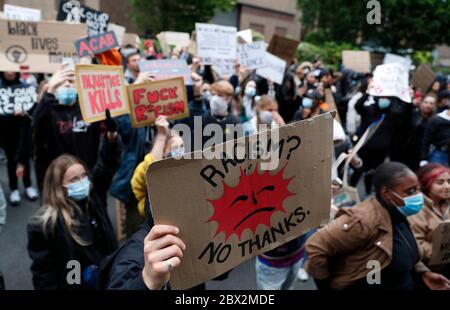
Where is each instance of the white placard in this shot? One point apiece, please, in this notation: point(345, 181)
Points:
point(118, 30)
point(216, 45)
point(403, 61)
point(252, 55)
point(21, 13)
point(274, 69)
point(246, 35)
point(391, 80)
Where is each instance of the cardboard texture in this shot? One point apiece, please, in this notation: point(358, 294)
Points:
point(167, 68)
point(73, 12)
point(118, 30)
point(171, 41)
point(149, 100)
point(252, 56)
point(274, 68)
point(98, 44)
point(131, 39)
point(441, 245)
point(358, 61)
point(329, 99)
point(37, 47)
point(423, 78)
point(283, 48)
point(391, 80)
point(100, 88)
point(229, 211)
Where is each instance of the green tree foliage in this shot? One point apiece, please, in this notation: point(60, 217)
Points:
point(175, 15)
point(416, 24)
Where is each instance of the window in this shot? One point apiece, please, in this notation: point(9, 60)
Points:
point(257, 27)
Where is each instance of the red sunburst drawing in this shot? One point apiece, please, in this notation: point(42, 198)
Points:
point(251, 203)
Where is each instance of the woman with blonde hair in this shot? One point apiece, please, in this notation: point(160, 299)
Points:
point(266, 113)
point(71, 233)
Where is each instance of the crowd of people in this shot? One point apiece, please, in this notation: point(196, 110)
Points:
point(404, 168)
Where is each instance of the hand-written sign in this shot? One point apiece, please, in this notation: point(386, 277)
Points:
point(19, 99)
point(253, 55)
point(101, 88)
point(150, 100)
point(283, 48)
point(441, 245)
point(21, 13)
point(96, 44)
point(358, 61)
point(216, 45)
point(228, 210)
point(171, 41)
point(423, 78)
point(274, 68)
point(167, 68)
point(391, 80)
point(73, 12)
point(37, 46)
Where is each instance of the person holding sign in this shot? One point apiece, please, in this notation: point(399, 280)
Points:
point(73, 224)
point(17, 102)
point(435, 182)
point(58, 125)
point(374, 234)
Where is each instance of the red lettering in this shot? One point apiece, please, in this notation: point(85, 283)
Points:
point(157, 111)
point(93, 102)
point(163, 94)
point(93, 44)
point(102, 43)
point(118, 101)
point(179, 107)
point(137, 95)
point(173, 93)
point(153, 96)
point(86, 81)
point(139, 111)
point(84, 49)
point(110, 39)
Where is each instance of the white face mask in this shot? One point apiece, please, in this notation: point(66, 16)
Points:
point(219, 106)
point(265, 117)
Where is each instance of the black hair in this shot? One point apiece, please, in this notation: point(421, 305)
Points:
point(388, 175)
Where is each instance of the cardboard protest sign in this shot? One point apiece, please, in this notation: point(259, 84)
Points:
point(131, 39)
point(149, 100)
point(37, 46)
point(274, 69)
point(171, 41)
point(283, 48)
point(358, 61)
point(167, 68)
point(329, 99)
point(216, 45)
point(230, 210)
point(21, 13)
point(98, 44)
point(245, 36)
point(391, 80)
point(397, 59)
point(100, 88)
point(423, 78)
point(17, 99)
point(252, 56)
point(441, 245)
point(119, 31)
point(73, 12)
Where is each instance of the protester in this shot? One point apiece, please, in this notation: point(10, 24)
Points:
point(132, 59)
point(375, 230)
point(15, 134)
point(353, 119)
point(312, 105)
point(73, 224)
point(437, 134)
point(413, 139)
point(435, 182)
point(266, 113)
point(58, 126)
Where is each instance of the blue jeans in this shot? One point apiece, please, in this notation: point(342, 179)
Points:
point(439, 157)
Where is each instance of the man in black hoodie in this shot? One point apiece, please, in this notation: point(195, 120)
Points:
point(17, 101)
point(58, 126)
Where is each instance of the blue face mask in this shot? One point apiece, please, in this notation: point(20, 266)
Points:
point(178, 152)
point(413, 204)
point(66, 95)
point(79, 190)
point(384, 103)
point(307, 103)
point(250, 92)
